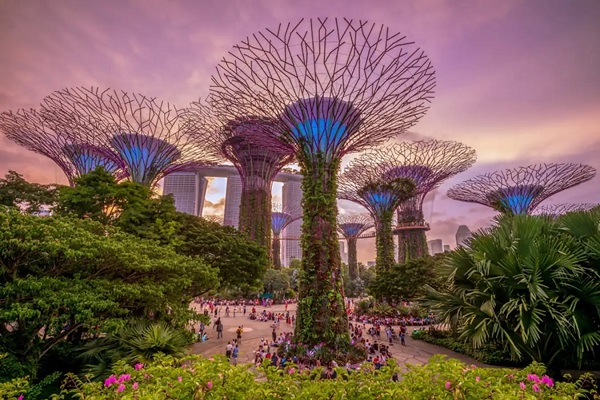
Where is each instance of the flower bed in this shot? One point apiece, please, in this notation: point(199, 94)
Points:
point(214, 378)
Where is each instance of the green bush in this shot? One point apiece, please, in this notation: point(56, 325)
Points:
point(214, 378)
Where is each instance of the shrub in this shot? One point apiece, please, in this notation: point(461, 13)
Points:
point(215, 378)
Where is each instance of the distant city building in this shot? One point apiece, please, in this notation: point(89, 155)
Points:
point(370, 264)
point(233, 199)
point(343, 252)
point(446, 248)
point(435, 246)
point(463, 233)
point(291, 194)
point(188, 190)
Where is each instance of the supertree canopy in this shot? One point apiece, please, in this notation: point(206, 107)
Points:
point(555, 210)
point(427, 163)
point(520, 190)
point(238, 140)
point(367, 182)
point(38, 131)
point(334, 87)
point(351, 226)
point(280, 219)
point(148, 135)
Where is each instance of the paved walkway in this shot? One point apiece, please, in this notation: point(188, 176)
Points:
point(415, 351)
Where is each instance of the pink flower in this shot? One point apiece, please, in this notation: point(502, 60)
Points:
point(477, 378)
point(473, 366)
point(123, 378)
point(511, 376)
point(292, 370)
point(179, 378)
point(135, 385)
point(209, 385)
point(533, 377)
point(547, 381)
point(139, 366)
point(522, 385)
point(448, 385)
point(121, 388)
point(183, 366)
point(110, 380)
point(535, 387)
point(21, 397)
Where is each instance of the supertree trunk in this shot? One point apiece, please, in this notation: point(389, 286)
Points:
point(276, 252)
point(385, 242)
point(321, 315)
point(255, 215)
point(411, 244)
point(352, 259)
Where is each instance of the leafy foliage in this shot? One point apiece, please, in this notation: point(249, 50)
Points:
point(61, 278)
point(529, 283)
point(15, 191)
point(405, 282)
point(215, 378)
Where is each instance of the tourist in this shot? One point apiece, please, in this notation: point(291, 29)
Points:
point(235, 353)
point(228, 350)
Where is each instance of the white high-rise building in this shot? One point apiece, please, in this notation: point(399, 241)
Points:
point(291, 194)
point(463, 233)
point(435, 246)
point(233, 199)
point(188, 190)
point(343, 252)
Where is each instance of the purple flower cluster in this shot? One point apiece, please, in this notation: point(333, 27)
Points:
point(545, 380)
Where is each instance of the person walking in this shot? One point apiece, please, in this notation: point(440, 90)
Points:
point(235, 353)
point(239, 332)
point(228, 350)
point(219, 329)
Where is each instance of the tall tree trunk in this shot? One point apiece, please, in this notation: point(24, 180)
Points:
point(412, 243)
point(321, 315)
point(255, 215)
point(352, 259)
point(385, 242)
point(276, 251)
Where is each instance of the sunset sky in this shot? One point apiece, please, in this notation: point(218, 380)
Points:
point(519, 81)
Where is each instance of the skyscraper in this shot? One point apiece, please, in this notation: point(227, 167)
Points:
point(292, 196)
point(233, 198)
point(446, 248)
point(343, 253)
point(435, 246)
point(188, 190)
point(463, 233)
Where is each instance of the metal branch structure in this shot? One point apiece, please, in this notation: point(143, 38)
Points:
point(148, 135)
point(35, 131)
point(238, 140)
point(368, 182)
point(521, 190)
point(556, 210)
point(351, 226)
point(334, 86)
point(427, 163)
point(280, 219)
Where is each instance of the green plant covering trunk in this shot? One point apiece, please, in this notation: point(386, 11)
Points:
point(352, 259)
point(385, 242)
point(321, 315)
point(412, 243)
point(276, 252)
point(255, 216)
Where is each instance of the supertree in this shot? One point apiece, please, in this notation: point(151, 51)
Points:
point(367, 181)
point(351, 226)
point(520, 190)
point(238, 140)
point(335, 87)
point(42, 133)
point(280, 219)
point(427, 163)
point(148, 135)
point(555, 210)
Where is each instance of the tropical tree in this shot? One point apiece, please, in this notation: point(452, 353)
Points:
point(15, 191)
point(65, 280)
point(527, 283)
point(405, 282)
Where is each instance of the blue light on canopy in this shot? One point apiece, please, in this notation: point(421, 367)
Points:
point(518, 199)
point(323, 123)
point(86, 158)
point(419, 174)
point(146, 157)
point(352, 229)
point(381, 201)
point(279, 220)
